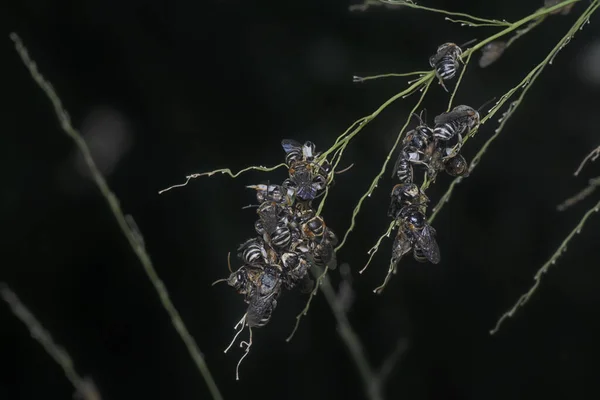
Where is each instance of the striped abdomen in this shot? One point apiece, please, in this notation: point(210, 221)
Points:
point(446, 68)
point(405, 171)
point(253, 253)
point(282, 236)
point(448, 130)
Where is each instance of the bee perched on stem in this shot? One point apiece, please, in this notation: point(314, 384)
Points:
point(307, 176)
point(455, 123)
point(403, 195)
point(446, 62)
point(414, 232)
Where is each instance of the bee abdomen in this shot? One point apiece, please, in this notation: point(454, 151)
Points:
point(281, 237)
point(446, 131)
point(252, 254)
point(405, 171)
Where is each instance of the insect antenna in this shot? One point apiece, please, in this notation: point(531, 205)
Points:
point(345, 169)
point(467, 43)
point(486, 103)
point(218, 280)
point(228, 266)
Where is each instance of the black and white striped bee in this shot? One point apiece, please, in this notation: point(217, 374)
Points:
point(420, 233)
point(456, 122)
point(252, 251)
point(264, 299)
point(274, 229)
point(307, 177)
point(403, 195)
point(403, 169)
point(296, 152)
point(446, 62)
point(260, 309)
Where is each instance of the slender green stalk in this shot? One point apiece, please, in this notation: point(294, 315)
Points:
point(525, 84)
point(113, 202)
point(84, 387)
point(485, 21)
point(538, 276)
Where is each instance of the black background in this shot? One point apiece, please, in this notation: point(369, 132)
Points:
point(164, 89)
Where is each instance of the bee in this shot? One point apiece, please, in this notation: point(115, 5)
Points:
point(260, 309)
point(274, 229)
point(295, 269)
point(403, 168)
point(420, 233)
point(241, 280)
point(307, 177)
point(454, 123)
point(419, 138)
point(491, 52)
point(323, 254)
point(403, 244)
point(273, 193)
point(295, 152)
point(457, 166)
point(252, 251)
point(446, 62)
point(314, 228)
point(307, 183)
point(403, 195)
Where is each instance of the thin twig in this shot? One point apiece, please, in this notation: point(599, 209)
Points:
point(84, 387)
point(526, 84)
point(113, 202)
point(538, 276)
point(411, 4)
point(352, 342)
point(593, 156)
point(589, 189)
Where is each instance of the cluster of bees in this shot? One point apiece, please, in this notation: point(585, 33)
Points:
point(433, 150)
point(290, 235)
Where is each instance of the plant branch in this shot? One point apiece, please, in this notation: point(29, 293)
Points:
point(485, 21)
point(538, 276)
point(525, 84)
point(113, 202)
point(84, 387)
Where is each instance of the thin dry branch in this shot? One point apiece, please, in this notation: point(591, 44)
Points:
point(538, 276)
point(122, 220)
point(592, 156)
point(84, 387)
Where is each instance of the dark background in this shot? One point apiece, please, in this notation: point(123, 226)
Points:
point(164, 89)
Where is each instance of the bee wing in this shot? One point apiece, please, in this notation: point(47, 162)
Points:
point(445, 117)
point(332, 264)
point(306, 191)
point(402, 245)
point(290, 144)
point(426, 241)
point(491, 52)
point(398, 161)
point(260, 309)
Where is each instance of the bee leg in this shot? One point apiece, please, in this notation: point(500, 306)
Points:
point(444, 86)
